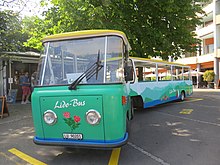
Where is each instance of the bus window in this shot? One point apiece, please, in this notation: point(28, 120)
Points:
point(186, 73)
point(114, 69)
point(150, 72)
point(145, 71)
point(164, 72)
point(65, 61)
point(176, 72)
point(139, 72)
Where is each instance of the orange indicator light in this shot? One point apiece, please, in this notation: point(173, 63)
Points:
point(124, 100)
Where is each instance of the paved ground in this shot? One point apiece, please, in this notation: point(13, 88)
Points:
point(176, 133)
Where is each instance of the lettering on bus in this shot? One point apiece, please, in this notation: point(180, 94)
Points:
point(73, 103)
point(172, 91)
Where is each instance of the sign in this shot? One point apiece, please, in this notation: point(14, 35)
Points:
point(3, 106)
point(12, 94)
point(10, 80)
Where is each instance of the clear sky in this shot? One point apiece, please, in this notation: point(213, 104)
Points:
point(24, 7)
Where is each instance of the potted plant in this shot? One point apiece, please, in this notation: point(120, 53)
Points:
point(209, 76)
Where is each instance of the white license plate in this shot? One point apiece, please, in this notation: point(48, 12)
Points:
point(75, 136)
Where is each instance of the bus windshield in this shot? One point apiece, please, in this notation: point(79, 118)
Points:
point(64, 61)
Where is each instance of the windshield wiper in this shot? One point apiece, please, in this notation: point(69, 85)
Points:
point(91, 71)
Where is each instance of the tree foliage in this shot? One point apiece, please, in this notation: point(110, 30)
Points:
point(209, 75)
point(154, 28)
point(36, 29)
point(11, 35)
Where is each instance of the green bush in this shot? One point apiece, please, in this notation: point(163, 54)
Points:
point(209, 75)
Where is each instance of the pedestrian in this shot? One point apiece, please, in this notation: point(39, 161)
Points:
point(33, 80)
point(26, 90)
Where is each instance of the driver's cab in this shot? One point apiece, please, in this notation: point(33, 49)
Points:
point(82, 90)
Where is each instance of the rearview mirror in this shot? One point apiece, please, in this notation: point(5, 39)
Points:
point(129, 73)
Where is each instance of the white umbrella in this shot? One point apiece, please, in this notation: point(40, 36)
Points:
point(150, 75)
point(193, 73)
point(196, 73)
point(164, 74)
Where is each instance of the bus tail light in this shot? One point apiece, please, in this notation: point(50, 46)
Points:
point(124, 100)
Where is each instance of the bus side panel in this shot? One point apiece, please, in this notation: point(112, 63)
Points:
point(188, 87)
point(37, 118)
point(115, 112)
point(154, 93)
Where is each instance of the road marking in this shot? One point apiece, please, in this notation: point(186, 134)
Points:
point(187, 100)
point(186, 111)
point(9, 158)
point(182, 102)
point(185, 118)
point(114, 156)
point(191, 100)
point(157, 159)
point(26, 157)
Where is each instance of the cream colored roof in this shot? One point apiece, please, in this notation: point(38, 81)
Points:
point(86, 34)
point(137, 59)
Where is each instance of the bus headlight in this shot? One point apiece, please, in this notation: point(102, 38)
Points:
point(50, 117)
point(93, 117)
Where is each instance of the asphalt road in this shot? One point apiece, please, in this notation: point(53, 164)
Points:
point(177, 133)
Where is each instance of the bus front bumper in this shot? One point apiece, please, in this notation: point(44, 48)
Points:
point(86, 144)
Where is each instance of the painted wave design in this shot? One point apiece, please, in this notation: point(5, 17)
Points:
point(157, 91)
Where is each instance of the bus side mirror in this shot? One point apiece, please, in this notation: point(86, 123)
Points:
point(128, 69)
point(129, 73)
point(126, 52)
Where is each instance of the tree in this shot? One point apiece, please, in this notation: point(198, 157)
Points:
point(154, 28)
point(36, 29)
point(209, 75)
point(11, 36)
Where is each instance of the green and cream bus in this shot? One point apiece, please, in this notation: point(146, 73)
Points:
point(88, 88)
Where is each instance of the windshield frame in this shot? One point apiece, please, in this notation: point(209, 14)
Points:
point(44, 59)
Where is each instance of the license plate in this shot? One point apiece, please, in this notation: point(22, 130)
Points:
point(74, 136)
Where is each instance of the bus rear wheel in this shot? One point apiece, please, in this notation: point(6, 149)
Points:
point(137, 102)
point(182, 96)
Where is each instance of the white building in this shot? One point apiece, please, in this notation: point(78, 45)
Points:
point(208, 56)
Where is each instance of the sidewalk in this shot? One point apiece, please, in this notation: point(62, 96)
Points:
point(17, 112)
point(205, 90)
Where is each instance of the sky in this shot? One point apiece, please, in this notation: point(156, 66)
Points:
point(24, 7)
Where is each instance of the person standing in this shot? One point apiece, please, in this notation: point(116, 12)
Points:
point(26, 90)
point(33, 80)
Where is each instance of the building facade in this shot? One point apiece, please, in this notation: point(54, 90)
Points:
point(12, 65)
point(208, 56)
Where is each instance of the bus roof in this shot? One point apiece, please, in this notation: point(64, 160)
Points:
point(138, 59)
point(86, 34)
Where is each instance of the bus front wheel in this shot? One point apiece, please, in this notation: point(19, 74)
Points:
point(132, 110)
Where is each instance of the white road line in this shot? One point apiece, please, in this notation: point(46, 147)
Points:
point(185, 118)
point(157, 159)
